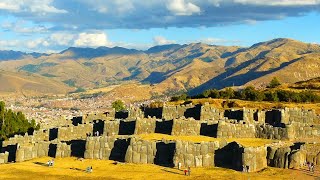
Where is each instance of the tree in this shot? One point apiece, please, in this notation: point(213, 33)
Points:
point(118, 105)
point(2, 111)
point(14, 123)
point(182, 97)
point(228, 93)
point(274, 83)
point(271, 96)
point(251, 94)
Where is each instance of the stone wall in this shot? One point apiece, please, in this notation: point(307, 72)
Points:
point(233, 129)
point(74, 132)
point(175, 112)
point(286, 156)
point(4, 157)
point(195, 154)
point(62, 150)
point(254, 158)
point(42, 135)
point(106, 147)
point(108, 115)
point(302, 130)
point(312, 151)
point(135, 112)
point(266, 131)
point(111, 128)
point(210, 113)
point(301, 116)
point(145, 126)
point(30, 151)
point(141, 152)
point(186, 127)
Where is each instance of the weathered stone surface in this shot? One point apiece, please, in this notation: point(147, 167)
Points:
point(297, 159)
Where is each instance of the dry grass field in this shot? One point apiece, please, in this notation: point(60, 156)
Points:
point(71, 168)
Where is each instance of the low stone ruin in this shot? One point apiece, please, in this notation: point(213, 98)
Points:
point(104, 136)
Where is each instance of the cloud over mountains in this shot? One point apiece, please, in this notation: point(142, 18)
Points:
point(53, 24)
point(137, 14)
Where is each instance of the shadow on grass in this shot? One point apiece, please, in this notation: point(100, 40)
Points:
point(41, 164)
point(172, 171)
point(78, 169)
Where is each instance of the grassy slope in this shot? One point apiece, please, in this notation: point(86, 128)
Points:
point(71, 168)
point(29, 84)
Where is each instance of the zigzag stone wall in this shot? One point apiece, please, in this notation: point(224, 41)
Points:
point(63, 150)
point(30, 151)
point(74, 132)
point(145, 125)
point(141, 152)
point(195, 154)
point(42, 135)
point(186, 127)
point(233, 129)
point(266, 131)
point(210, 113)
point(255, 158)
point(106, 147)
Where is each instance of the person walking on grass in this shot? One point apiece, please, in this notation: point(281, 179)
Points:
point(189, 170)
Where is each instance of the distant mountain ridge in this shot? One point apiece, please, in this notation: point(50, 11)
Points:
point(6, 55)
point(191, 67)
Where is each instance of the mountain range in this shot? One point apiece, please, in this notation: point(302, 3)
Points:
point(169, 68)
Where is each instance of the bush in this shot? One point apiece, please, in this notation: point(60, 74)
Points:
point(274, 83)
point(228, 93)
point(182, 97)
point(118, 105)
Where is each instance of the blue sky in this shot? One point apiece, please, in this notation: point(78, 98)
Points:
point(54, 25)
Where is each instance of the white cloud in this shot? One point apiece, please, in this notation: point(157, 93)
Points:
point(33, 44)
point(279, 2)
point(159, 40)
point(115, 6)
point(33, 6)
point(92, 40)
point(62, 38)
point(182, 8)
point(59, 40)
point(8, 44)
point(23, 27)
point(9, 5)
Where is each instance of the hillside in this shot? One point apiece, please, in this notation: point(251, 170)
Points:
point(308, 84)
point(29, 84)
point(173, 68)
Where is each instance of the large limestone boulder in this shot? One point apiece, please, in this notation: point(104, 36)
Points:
point(297, 159)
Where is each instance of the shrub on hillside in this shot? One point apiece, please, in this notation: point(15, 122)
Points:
point(274, 83)
point(118, 105)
